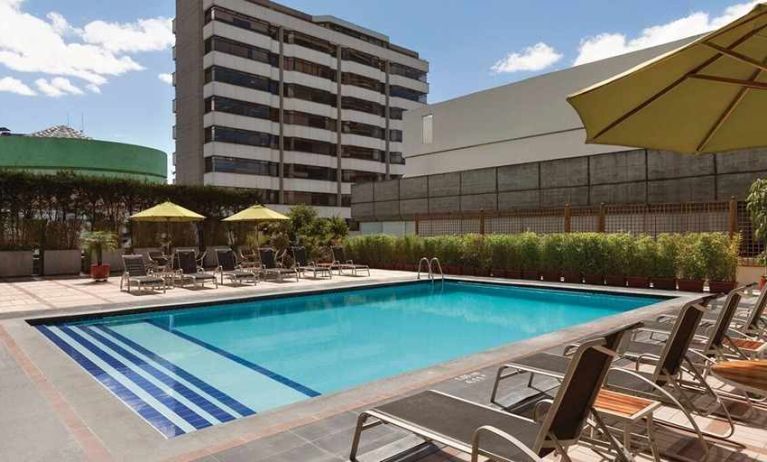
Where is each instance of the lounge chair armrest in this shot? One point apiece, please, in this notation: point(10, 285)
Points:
point(699, 355)
point(475, 440)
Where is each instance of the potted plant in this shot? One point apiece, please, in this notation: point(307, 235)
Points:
point(530, 255)
point(449, 254)
point(96, 243)
point(641, 253)
point(551, 257)
point(756, 204)
point(504, 261)
point(616, 252)
point(572, 257)
point(664, 268)
point(691, 264)
point(594, 258)
point(475, 257)
point(721, 255)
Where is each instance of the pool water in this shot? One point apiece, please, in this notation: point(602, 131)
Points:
point(187, 369)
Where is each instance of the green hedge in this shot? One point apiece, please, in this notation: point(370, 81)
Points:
point(711, 256)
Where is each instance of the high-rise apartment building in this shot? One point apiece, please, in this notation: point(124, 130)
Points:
point(298, 106)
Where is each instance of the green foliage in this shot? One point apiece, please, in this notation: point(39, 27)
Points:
point(594, 253)
point(306, 228)
point(96, 242)
point(504, 251)
point(449, 249)
point(529, 251)
point(666, 254)
point(720, 254)
point(617, 253)
point(474, 251)
point(691, 262)
point(552, 252)
point(573, 253)
point(640, 256)
point(61, 235)
point(756, 204)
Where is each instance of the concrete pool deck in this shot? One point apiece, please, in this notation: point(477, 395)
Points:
point(53, 410)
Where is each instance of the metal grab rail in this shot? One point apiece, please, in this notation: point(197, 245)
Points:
point(430, 267)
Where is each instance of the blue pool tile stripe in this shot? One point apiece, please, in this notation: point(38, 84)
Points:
point(258, 368)
point(142, 408)
point(175, 406)
point(212, 391)
point(177, 386)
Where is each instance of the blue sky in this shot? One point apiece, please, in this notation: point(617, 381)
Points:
point(116, 50)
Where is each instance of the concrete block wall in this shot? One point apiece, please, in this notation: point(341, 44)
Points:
point(625, 177)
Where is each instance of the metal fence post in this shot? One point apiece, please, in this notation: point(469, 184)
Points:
point(732, 225)
point(481, 221)
point(601, 221)
point(567, 218)
point(417, 225)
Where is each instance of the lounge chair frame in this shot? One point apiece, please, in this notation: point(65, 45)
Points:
point(545, 441)
point(302, 265)
point(271, 266)
point(198, 275)
point(342, 263)
point(235, 273)
point(142, 280)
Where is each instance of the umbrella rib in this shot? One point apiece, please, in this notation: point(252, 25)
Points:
point(737, 56)
point(674, 84)
point(736, 82)
point(730, 108)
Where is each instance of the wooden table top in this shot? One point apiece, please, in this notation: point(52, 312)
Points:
point(622, 405)
point(750, 345)
point(748, 374)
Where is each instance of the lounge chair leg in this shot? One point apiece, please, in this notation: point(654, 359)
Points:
point(357, 434)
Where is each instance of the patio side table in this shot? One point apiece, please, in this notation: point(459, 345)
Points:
point(627, 411)
point(750, 376)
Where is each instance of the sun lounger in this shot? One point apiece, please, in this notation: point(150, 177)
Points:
point(488, 432)
point(304, 265)
point(662, 384)
point(190, 271)
point(269, 265)
point(226, 266)
point(136, 273)
point(342, 263)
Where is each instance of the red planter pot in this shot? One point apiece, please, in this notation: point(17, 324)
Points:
point(664, 283)
point(720, 287)
point(594, 279)
point(638, 282)
point(482, 272)
point(551, 276)
point(690, 285)
point(513, 274)
point(762, 282)
point(531, 275)
point(452, 269)
point(572, 277)
point(617, 281)
point(100, 272)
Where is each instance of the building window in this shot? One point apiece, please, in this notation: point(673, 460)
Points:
point(356, 104)
point(241, 79)
point(314, 95)
point(357, 128)
point(349, 78)
point(240, 20)
point(395, 135)
point(237, 136)
point(310, 42)
point(428, 128)
point(395, 113)
point(358, 152)
point(396, 158)
point(407, 93)
point(406, 71)
point(310, 68)
point(243, 108)
point(242, 50)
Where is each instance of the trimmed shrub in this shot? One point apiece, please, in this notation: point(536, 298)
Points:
point(529, 251)
point(640, 256)
point(691, 262)
point(666, 254)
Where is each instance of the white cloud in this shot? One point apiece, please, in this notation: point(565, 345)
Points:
point(94, 53)
point(534, 58)
point(11, 85)
point(56, 87)
point(605, 45)
point(167, 78)
point(144, 35)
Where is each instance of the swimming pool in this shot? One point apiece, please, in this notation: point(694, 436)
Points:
point(187, 369)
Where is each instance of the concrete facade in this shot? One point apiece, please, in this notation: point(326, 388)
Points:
point(624, 177)
point(298, 106)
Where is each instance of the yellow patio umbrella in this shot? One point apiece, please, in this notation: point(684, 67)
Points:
point(707, 96)
point(257, 214)
point(167, 213)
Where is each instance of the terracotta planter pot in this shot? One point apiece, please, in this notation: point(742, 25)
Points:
point(551, 276)
point(531, 275)
point(498, 273)
point(720, 287)
point(513, 274)
point(572, 277)
point(617, 281)
point(638, 282)
point(482, 272)
point(100, 272)
point(690, 285)
point(452, 269)
point(664, 283)
point(594, 279)
point(762, 282)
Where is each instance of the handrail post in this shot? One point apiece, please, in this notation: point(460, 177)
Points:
point(732, 227)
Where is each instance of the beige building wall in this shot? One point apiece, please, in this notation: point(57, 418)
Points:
point(526, 121)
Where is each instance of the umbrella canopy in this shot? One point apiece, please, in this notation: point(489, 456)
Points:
point(707, 96)
point(256, 213)
point(167, 212)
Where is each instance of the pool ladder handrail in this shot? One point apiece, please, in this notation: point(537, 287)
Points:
point(430, 267)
